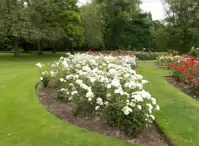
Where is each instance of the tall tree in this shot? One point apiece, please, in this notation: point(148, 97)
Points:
point(15, 22)
point(57, 20)
point(182, 23)
point(115, 15)
point(92, 28)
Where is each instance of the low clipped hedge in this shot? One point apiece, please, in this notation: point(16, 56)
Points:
point(146, 55)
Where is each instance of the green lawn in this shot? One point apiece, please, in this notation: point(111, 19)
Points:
point(179, 115)
point(23, 120)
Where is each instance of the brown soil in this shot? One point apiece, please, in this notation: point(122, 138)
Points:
point(181, 86)
point(150, 137)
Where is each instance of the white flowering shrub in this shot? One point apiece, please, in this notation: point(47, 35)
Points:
point(106, 84)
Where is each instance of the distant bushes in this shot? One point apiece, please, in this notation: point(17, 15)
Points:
point(146, 55)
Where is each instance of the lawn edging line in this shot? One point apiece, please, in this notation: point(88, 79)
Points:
point(168, 140)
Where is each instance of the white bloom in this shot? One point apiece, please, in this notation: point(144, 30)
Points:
point(41, 78)
point(150, 107)
point(152, 117)
point(79, 82)
point(65, 64)
point(74, 92)
point(115, 83)
point(70, 98)
point(52, 73)
point(86, 68)
point(139, 77)
point(127, 76)
point(25, 4)
point(139, 107)
point(144, 82)
point(106, 103)
point(157, 107)
point(71, 84)
point(39, 65)
point(54, 65)
point(153, 101)
point(97, 108)
point(138, 98)
point(78, 65)
point(108, 95)
point(132, 104)
point(62, 79)
point(119, 91)
point(89, 94)
point(145, 94)
point(112, 72)
point(108, 86)
point(63, 89)
point(89, 99)
point(140, 86)
point(92, 80)
point(127, 110)
point(99, 101)
point(84, 86)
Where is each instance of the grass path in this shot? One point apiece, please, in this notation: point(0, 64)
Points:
point(179, 115)
point(23, 120)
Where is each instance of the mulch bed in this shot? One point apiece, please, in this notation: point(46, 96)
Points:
point(150, 137)
point(181, 86)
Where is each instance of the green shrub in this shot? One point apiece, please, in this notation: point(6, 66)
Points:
point(132, 124)
point(194, 52)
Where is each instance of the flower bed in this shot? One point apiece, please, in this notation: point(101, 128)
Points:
point(103, 84)
point(185, 69)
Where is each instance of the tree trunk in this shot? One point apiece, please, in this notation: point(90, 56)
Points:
point(15, 46)
point(40, 52)
point(54, 48)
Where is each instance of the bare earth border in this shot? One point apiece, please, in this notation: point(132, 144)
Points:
point(152, 136)
point(181, 86)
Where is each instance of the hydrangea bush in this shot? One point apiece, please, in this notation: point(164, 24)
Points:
point(105, 84)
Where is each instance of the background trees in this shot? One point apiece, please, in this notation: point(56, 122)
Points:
point(181, 30)
point(109, 24)
point(41, 22)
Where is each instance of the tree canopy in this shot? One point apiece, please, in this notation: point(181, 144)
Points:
point(41, 22)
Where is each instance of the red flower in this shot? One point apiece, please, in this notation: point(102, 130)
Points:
point(195, 82)
point(191, 76)
point(173, 65)
point(187, 81)
point(90, 52)
point(183, 69)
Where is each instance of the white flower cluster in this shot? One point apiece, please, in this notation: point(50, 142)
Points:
point(102, 80)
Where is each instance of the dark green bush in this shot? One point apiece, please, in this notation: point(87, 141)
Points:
point(132, 124)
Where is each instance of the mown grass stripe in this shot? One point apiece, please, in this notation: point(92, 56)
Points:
point(179, 116)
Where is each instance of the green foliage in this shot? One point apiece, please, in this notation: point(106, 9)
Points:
point(149, 55)
point(41, 22)
point(194, 52)
point(124, 25)
point(92, 28)
point(132, 124)
point(141, 55)
point(181, 30)
point(5, 44)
